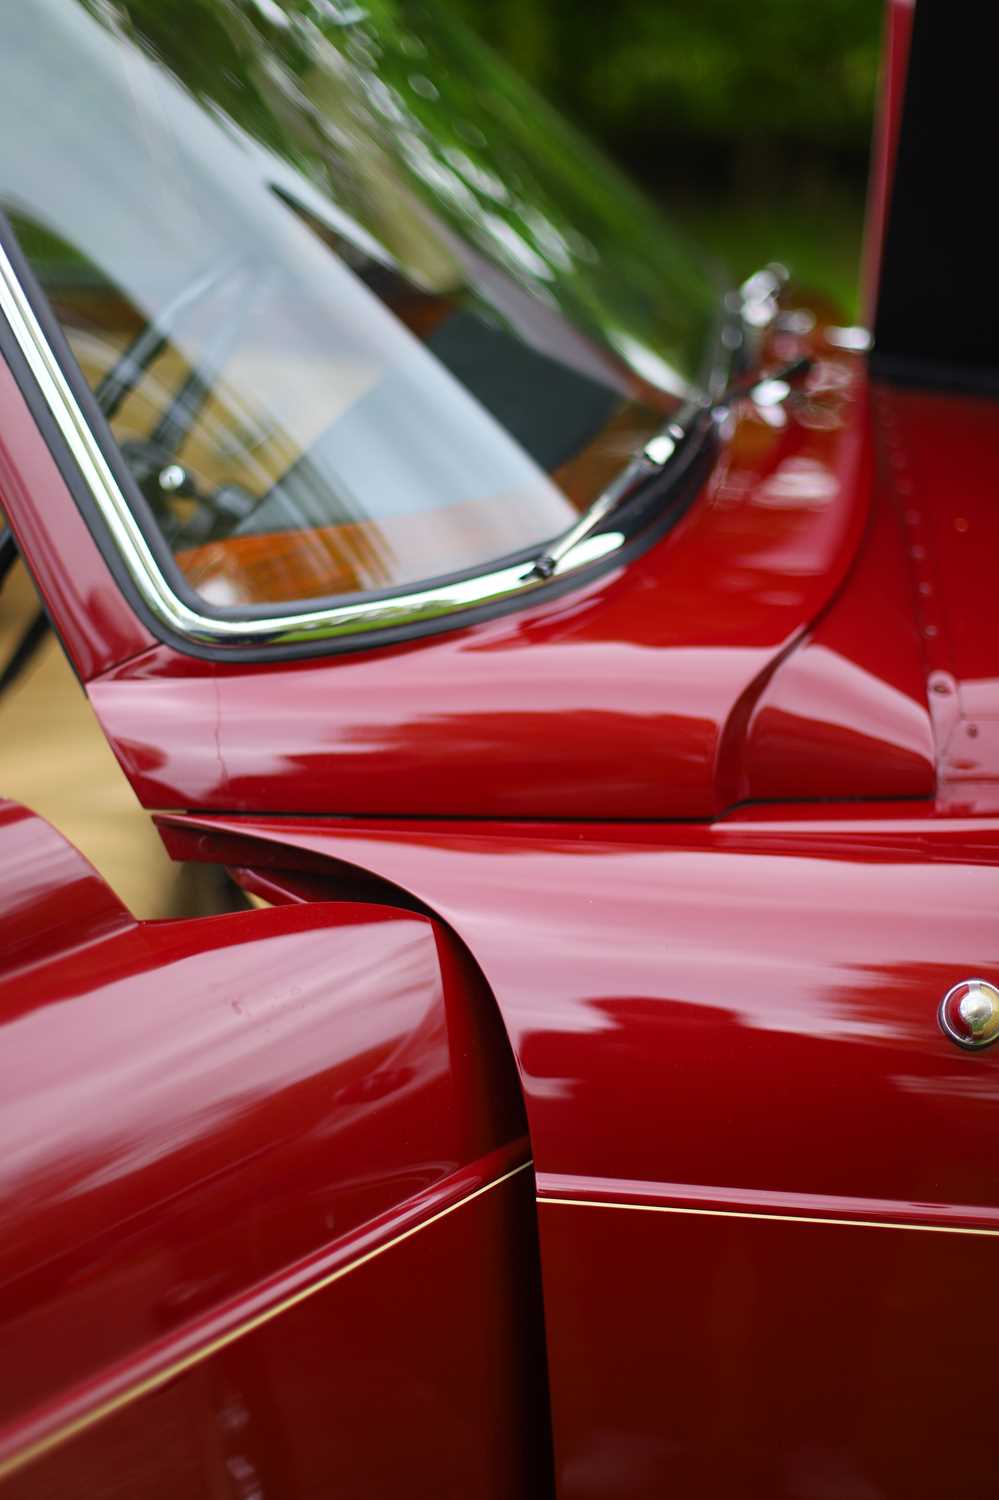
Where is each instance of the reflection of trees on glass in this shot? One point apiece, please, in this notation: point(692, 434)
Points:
point(789, 80)
point(387, 103)
point(330, 272)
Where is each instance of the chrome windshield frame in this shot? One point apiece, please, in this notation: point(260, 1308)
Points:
point(440, 603)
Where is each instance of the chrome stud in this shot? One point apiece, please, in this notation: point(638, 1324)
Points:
point(969, 1014)
point(173, 477)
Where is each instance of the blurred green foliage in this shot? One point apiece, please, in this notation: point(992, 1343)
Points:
point(751, 119)
point(780, 71)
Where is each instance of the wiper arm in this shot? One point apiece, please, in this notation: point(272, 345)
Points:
point(770, 388)
point(662, 451)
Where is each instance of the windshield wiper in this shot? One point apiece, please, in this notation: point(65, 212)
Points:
point(664, 448)
point(660, 451)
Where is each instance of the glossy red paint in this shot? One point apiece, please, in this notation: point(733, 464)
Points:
point(737, 1019)
point(620, 956)
point(891, 97)
point(845, 714)
point(664, 657)
point(204, 1118)
point(553, 692)
point(943, 453)
point(766, 1206)
point(760, 1358)
point(417, 1374)
point(901, 672)
point(96, 625)
point(51, 898)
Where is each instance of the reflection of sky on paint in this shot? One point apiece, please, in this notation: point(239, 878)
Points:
point(798, 483)
point(658, 913)
point(219, 1049)
point(885, 711)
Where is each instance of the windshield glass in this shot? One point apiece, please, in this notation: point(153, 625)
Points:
point(359, 310)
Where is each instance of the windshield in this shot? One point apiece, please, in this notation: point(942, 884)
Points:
point(360, 311)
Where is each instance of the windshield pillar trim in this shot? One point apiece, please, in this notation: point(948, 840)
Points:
point(329, 622)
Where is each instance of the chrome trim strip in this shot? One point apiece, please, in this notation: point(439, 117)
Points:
point(32, 1451)
point(329, 623)
point(740, 1213)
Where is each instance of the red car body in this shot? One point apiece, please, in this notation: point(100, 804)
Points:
point(576, 1121)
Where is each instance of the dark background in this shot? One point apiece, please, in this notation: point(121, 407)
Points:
point(749, 120)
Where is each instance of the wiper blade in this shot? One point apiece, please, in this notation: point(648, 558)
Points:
point(662, 451)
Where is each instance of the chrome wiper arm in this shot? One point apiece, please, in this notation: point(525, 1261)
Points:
point(768, 388)
point(662, 449)
point(657, 453)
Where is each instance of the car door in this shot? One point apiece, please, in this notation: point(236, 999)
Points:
point(266, 1208)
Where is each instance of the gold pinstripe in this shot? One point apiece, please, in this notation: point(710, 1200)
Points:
point(738, 1213)
point(197, 1356)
